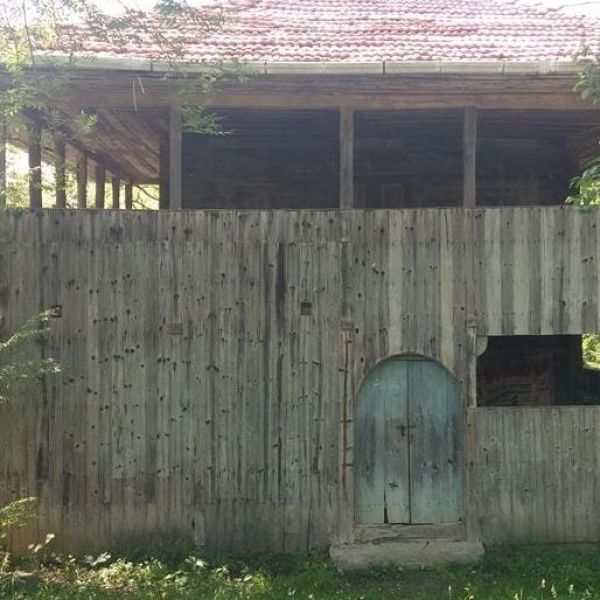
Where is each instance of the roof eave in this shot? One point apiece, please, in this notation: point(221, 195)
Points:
point(123, 63)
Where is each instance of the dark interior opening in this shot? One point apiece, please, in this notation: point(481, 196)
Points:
point(408, 159)
point(529, 157)
point(268, 159)
point(543, 370)
point(264, 159)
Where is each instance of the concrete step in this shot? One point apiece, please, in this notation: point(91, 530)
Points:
point(348, 557)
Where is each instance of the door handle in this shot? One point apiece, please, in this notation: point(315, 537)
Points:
point(404, 429)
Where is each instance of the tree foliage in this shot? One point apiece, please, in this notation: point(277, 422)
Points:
point(585, 186)
point(40, 43)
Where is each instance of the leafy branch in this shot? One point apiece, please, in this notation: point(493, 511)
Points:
point(17, 369)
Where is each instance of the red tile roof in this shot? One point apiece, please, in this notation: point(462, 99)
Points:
point(357, 31)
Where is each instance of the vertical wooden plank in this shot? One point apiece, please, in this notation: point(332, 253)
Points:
point(469, 157)
point(3, 137)
point(434, 443)
point(346, 157)
point(81, 180)
point(35, 165)
point(129, 194)
point(60, 191)
point(175, 155)
point(100, 186)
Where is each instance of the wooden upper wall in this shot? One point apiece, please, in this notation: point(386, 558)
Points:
point(211, 361)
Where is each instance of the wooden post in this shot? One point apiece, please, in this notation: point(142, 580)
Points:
point(35, 165)
point(470, 157)
point(116, 191)
point(129, 194)
point(174, 155)
point(100, 186)
point(82, 180)
point(3, 136)
point(60, 192)
point(163, 172)
point(346, 157)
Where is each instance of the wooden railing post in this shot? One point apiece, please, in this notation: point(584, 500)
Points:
point(116, 191)
point(60, 192)
point(163, 171)
point(35, 165)
point(470, 157)
point(82, 180)
point(100, 186)
point(346, 157)
point(175, 139)
point(129, 194)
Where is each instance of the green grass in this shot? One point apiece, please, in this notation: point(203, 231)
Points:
point(535, 572)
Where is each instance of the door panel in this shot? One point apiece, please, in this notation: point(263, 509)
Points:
point(381, 451)
point(396, 473)
point(407, 461)
point(370, 503)
point(434, 453)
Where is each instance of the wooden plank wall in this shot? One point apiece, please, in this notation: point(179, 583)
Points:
point(211, 358)
point(537, 473)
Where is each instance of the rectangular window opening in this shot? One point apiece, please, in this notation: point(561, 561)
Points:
point(542, 370)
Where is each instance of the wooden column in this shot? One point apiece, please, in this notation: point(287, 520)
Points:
point(346, 157)
point(82, 180)
point(35, 165)
point(3, 136)
point(129, 194)
point(163, 172)
point(60, 180)
point(100, 186)
point(470, 157)
point(116, 191)
point(174, 155)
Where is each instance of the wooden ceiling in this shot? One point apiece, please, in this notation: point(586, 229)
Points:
point(125, 142)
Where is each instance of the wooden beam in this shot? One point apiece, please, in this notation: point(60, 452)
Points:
point(346, 157)
point(60, 191)
point(163, 172)
point(100, 185)
point(129, 195)
point(470, 157)
point(3, 138)
point(116, 191)
point(174, 155)
point(81, 170)
point(35, 165)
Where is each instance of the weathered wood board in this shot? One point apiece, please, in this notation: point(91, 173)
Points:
point(211, 361)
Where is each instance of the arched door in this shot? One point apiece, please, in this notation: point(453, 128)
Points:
point(407, 444)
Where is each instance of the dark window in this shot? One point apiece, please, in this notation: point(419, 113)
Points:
point(542, 370)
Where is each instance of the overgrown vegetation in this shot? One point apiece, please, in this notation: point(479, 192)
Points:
point(585, 186)
point(591, 350)
point(18, 368)
point(534, 573)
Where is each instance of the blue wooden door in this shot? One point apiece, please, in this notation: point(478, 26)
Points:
point(407, 434)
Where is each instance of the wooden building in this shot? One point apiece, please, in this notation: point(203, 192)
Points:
point(366, 325)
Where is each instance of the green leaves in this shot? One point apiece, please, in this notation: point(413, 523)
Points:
point(586, 185)
point(19, 365)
